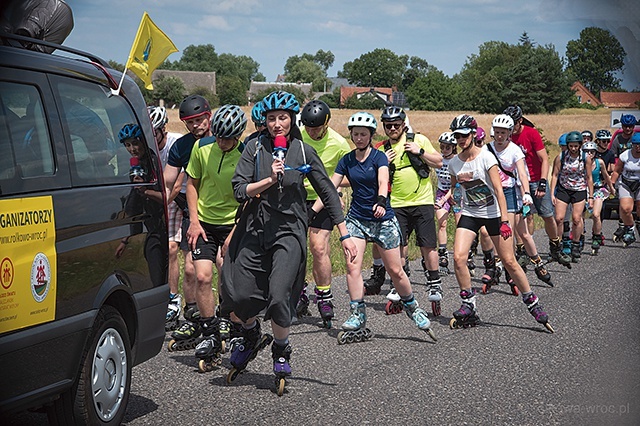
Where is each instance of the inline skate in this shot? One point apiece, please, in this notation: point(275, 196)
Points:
point(575, 251)
point(491, 275)
point(541, 272)
point(618, 233)
point(174, 308)
point(325, 306)
point(407, 267)
point(509, 280)
point(557, 255)
point(522, 257)
point(210, 349)
point(354, 328)
point(246, 348)
point(435, 295)
point(629, 236)
point(467, 315)
point(302, 307)
point(394, 304)
point(186, 337)
point(471, 264)
point(373, 285)
point(281, 368)
point(535, 309)
point(419, 317)
point(443, 261)
point(596, 242)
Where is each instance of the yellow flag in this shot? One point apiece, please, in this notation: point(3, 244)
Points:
point(150, 48)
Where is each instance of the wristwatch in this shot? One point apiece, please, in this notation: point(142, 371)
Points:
point(421, 151)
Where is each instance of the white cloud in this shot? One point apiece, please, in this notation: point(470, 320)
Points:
point(214, 22)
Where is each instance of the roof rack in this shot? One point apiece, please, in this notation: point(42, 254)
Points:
point(89, 56)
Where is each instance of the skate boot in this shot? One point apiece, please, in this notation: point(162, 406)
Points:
point(325, 306)
point(566, 246)
point(302, 307)
point(535, 308)
point(186, 337)
point(541, 272)
point(471, 264)
point(490, 277)
point(394, 305)
point(174, 308)
point(224, 333)
point(210, 349)
point(522, 257)
point(419, 317)
point(507, 277)
point(555, 251)
point(373, 285)
point(435, 295)
point(629, 236)
point(191, 312)
point(281, 367)
point(596, 242)
point(581, 243)
point(246, 349)
point(617, 235)
point(575, 251)
point(467, 315)
point(443, 261)
point(407, 267)
point(354, 328)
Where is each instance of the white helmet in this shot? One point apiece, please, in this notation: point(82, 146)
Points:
point(447, 138)
point(363, 119)
point(158, 116)
point(589, 146)
point(503, 121)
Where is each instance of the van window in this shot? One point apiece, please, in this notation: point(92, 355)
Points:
point(92, 119)
point(26, 145)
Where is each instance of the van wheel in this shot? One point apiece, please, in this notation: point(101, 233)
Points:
point(101, 392)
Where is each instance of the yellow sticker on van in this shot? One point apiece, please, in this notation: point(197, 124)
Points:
point(28, 262)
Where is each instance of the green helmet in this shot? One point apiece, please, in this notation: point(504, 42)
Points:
point(574, 136)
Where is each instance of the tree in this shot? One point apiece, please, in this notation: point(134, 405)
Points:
point(202, 57)
point(169, 88)
point(231, 90)
point(431, 92)
point(378, 68)
point(308, 68)
point(594, 59)
point(299, 94)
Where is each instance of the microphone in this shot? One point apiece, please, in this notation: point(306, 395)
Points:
point(136, 171)
point(279, 153)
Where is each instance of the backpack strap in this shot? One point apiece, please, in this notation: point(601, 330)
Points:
point(506, 172)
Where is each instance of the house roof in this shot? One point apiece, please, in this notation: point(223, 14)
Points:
point(587, 96)
point(620, 99)
point(191, 79)
point(347, 92)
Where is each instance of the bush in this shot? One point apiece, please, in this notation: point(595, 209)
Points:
point(208, 95)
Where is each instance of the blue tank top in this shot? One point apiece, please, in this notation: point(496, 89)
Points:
point(597, 175)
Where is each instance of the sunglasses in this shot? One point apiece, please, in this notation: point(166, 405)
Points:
point(390, 126)
point(461, 136)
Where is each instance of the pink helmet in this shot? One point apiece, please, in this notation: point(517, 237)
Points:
point(480, 134)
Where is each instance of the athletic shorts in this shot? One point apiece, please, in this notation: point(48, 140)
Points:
point(625, 192)
point(184, 242)
point(321, 221)
point(542, 206)
point(570, 197)
point(475, 223)
point(514, 202)
point(446, 206)
point(174, 222)
point(386, 233)
point(419, 219)
point(208, 250)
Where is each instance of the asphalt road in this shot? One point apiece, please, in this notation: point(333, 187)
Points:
point(508, 371)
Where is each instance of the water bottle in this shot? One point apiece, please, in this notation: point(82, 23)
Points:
point(457, 197)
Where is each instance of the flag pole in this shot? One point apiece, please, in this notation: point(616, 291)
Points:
point(116, 92)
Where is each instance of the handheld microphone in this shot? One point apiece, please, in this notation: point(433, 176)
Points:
point(280, 152)
point(136, 171)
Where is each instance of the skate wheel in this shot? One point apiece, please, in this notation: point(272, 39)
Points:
point(548, 327)
point(280, 382)
point(388, 308)
point(485, 288)
point(171, 345)
point(233, 374)
point(341, 340)
point(453, 324)
point(514, 290)
point(431, 334)
point(205, 366)
point(436, 308)
point(223, 346)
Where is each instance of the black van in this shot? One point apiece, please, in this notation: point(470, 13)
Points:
point(83, 236)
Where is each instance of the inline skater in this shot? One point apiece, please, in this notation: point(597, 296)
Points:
point(621, 142)
point(443, 204)
point(602, 187)
point(267, 255)
point(330, 146)
point(371, 218)
point(603, 137)
point(627, 174)
point(572, 184)
point(259, 122)
point(484, 205)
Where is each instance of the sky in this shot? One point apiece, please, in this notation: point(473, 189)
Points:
point(443, 32)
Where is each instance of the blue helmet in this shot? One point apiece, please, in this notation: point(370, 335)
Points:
point(562, 140)
point(280, 100)
point(628, 120)
point(130, 131)
point(257, 114)
point(635, 139)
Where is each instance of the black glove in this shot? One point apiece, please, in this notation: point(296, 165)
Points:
point(542, 185)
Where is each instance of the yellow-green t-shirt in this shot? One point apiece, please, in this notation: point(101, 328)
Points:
point(408, 189)
point(214, 168)
point(331, 148)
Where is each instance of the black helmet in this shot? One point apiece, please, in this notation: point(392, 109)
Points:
point(392, 113)
point(464, 124)
point(588, 134)
point(574, 136)
point(514, 111)
point(193, 106)
point(315, 114)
